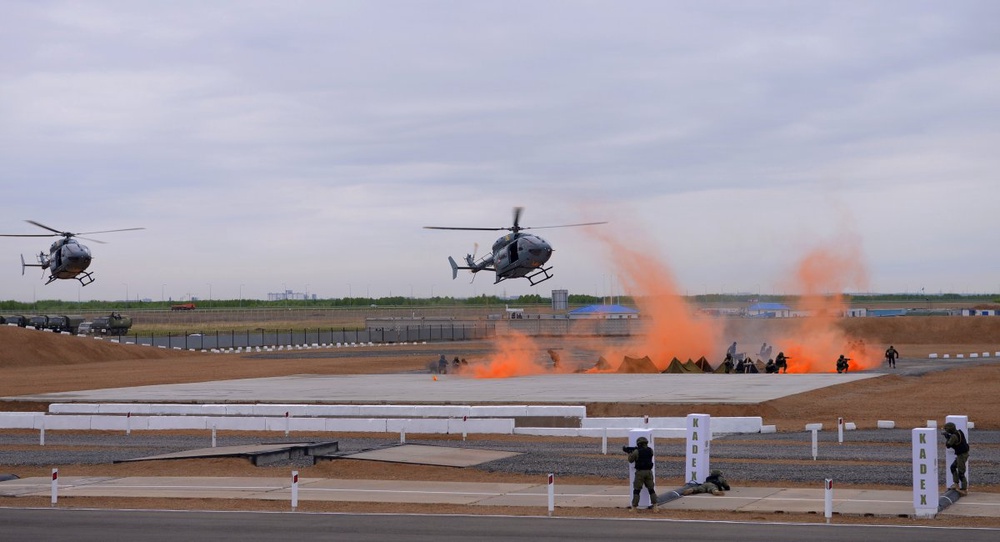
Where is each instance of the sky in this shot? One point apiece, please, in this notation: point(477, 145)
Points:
point(271, 146)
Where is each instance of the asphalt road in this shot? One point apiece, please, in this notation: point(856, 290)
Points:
point(154, 526)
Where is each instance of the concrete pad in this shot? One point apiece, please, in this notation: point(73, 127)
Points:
point(432, 455)
point(975, 505)
point(420, 388)
point(396, 491)
point(220, 451)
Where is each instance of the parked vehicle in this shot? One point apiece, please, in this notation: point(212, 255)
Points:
point(183, 307)
point(13, 320)
point(112, 324)
point(63, 323)
point(38, 321)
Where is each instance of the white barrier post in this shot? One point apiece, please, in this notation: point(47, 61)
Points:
point(552, 493)
point(962, 424)
point(402, 435)
point(464, 432)
point(128, 424)
point(699, 439)
point(286, 424)
point(815, 443)
point(925, 474)
point(41, 434)
point(604, 442)
point(828, 500)
point(840, 430)
point(295, 490)
point(55, 486)
point(213, 435)
point(645, 420)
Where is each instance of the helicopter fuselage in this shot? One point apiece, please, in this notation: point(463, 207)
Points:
point(517, 255)
point(67, 259)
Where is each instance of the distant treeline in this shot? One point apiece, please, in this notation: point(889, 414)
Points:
point(58, 306)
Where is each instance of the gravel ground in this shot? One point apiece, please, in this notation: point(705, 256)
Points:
point(869, 457)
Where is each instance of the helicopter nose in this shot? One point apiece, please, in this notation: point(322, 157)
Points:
point(540, 250)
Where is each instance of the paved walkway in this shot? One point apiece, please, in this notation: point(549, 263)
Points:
point(424, 388)
point(881, 503)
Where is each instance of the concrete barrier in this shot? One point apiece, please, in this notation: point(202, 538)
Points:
point(557, 410)
point(809, 426)
point(850, 426)
point(19, 420)
point(768, 429)
point(417, 425)
point(356, 425)
point(493, 426)
point(886, 424)
point(294, 424)
point(251, 423)
point(498, 411)
point(161, 423)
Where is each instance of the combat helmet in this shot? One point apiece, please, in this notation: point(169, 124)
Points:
point(716, 472)
point(641, 441)
point(950, 427)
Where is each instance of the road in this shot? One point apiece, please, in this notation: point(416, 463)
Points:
point(154, 526)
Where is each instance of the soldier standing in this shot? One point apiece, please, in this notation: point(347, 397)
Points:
point(955, 439)
point(890, 356)
point(642, 457)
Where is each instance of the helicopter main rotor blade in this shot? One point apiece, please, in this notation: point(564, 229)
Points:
point(517, 219)
point(469, 229)
point(91, 239)
point(106, 231)
point(564, 226)
point(29, 234)
point(43, 226)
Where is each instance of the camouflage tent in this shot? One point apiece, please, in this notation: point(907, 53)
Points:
point(676, 366)
point(704, 365)
point(637, 365)
point(602, 365)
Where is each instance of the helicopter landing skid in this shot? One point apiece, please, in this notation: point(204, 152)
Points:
point(85, 278)
point(544, 271)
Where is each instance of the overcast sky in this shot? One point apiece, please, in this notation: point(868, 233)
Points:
point(304, 145)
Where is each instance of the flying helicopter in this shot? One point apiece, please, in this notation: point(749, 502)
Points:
point(515, 255)
point(67, 258)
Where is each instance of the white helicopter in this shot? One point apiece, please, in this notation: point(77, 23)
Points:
point(515, 255)
point(67, 258)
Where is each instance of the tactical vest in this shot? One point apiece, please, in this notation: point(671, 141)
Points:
point(644, 461)
point(963, 445)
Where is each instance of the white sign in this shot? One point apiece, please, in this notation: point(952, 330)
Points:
point(699, 439)
point(925, 472)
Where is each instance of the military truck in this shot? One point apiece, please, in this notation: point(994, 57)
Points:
point(39, 321)
point(14, 320)
point(112, 324)
point(64, 323)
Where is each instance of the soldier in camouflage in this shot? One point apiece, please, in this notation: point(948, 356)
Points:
point(642, 457)
point(714, 484)
point(955, 439)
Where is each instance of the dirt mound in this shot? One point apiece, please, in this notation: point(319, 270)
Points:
point(20, 347)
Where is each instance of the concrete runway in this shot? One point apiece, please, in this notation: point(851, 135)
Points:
point(424, 389)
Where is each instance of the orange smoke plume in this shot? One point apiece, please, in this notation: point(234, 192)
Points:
point(815, 343)
point(516, 355)
point(672, 328)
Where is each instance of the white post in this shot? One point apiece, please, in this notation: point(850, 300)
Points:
point(633, 436)
point(41, 434)
point(552, 493)
point(962, 424)
point(604, 442)
point(815, 443)
point(645, 420)
point(402, 435)
point(295, 489)
point(286, 424)
point(699, 439)
point(213, 435)
point(925, 475)
point(128, 424)
point(828, 500)
point(55, 486)
point(840, 430)
point(464, 431)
